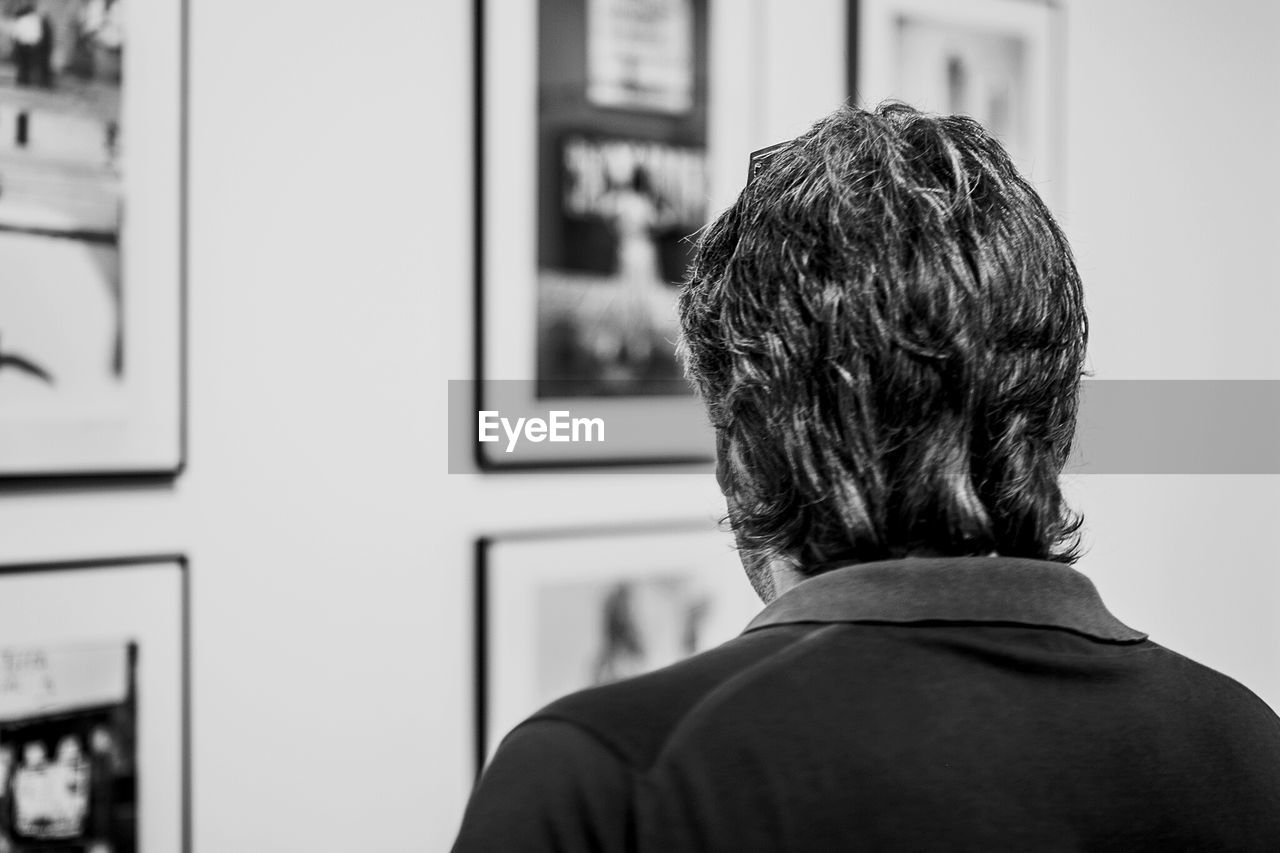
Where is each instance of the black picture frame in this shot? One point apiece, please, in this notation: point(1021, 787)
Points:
point(55, 576)
point(149, 445)
point(651, 421)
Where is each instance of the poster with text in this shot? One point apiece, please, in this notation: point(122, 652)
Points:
point(611, 131)
point(621, 184)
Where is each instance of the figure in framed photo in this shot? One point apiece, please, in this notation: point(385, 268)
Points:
point(606, 293)
point(60, 710)
point(585, 609)
point(647, 624)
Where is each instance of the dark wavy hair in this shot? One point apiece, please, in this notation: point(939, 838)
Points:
point(888, 330)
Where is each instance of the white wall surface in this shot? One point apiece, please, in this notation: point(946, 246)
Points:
point(330, 300)
point(1170, 178)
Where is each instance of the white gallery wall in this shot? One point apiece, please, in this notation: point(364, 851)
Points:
point(330, 300)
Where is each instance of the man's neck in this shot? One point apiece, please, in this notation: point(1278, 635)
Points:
point(785, 576)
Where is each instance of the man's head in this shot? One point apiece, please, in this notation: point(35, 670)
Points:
point(888, 330)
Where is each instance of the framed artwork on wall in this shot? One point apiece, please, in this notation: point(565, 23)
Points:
point(559, 612)
point(94, 706)
point(92, 230)
point(609, 131)
point(998, 61)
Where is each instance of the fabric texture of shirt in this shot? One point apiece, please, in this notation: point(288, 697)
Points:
point(977, 703)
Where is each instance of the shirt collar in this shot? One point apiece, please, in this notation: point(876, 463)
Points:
point(951, 589)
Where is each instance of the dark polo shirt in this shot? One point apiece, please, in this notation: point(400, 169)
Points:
point(919, 704)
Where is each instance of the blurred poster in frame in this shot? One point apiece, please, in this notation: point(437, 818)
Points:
point(93, 706)
point(91, 231)
point(997, 61)
point(610, 132)
point(560, 612)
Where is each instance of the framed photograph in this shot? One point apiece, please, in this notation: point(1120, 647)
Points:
point(998, 61)
point(561, 612)
point(91, 237)
point(93, 706)
point(609, 132)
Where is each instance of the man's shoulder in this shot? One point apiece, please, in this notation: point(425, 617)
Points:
point(1212, 694)
point(892, 675)
point(633, 718)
